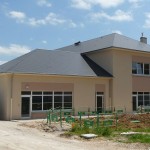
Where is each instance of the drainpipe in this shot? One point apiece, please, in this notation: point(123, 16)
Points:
point(11, 98)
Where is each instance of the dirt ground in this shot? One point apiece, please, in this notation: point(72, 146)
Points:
point(30, 135)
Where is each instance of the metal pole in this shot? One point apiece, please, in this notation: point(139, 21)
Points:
point(80, 119)
point(60, 118)
point(97, 119)
point(116, 120)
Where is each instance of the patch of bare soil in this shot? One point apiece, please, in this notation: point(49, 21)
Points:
point(44, 126)
point(37, 135)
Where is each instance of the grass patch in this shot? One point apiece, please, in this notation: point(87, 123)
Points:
point(142, 138)
point(147, 130)
point(100, 131)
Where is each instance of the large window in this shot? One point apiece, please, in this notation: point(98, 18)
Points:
point(36, 100)
point(67, 100)
point(141, 98)
point(141, 68)
point(58, 99)
point(44, 100)
point(47, 100)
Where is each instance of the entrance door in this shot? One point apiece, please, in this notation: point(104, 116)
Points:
point(99, 103)
point(134, 102)
point(25, 107)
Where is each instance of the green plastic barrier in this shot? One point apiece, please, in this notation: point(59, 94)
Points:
point(108, 122)
point(108, 111)
point(88, 123)
point(93, 113)
point(119, 111)
point(83, 113)
point(70, 120)
point(67, 113)
point(54, 118)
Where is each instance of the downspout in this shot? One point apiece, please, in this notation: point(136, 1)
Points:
point(11, 98)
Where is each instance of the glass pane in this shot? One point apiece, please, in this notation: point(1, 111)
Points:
point(134, 103)
point(67, 93)
point(47, 93)
point(57, 93)
point(67, 99)
point(67, 105)
point(47, 99)
point(36, 99)
point(26, 93)
point(134, 93)
point(25, 107)
point(56, 105)
point(140, 93)
point(140, 68)
point(100, 93)
point(146, 93)
point(146, 69)
point(140, 103)
point(140, 99)
point(37, 93)
point(47, 106)
point(147, 103)
point(57, 99)
point(134, 68)
point(146, 97)
point(37, 106)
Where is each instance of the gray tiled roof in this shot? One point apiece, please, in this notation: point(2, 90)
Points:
point(111, 40)
point(53, 63)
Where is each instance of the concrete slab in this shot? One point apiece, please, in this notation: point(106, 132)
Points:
point(88, 136)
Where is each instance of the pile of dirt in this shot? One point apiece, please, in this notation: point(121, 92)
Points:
point(134, 120)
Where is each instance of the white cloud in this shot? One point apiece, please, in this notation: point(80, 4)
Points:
point(14, 49)
point(135, 3)
point(50, 19)
point(147, 21)
point(88, 4)
point(81, 4)
point(44, 3)
point(108, 3)
point(119, 16)
point(117, 31)
point(19, 16)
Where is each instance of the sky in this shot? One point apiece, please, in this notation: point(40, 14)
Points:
point(26, 25)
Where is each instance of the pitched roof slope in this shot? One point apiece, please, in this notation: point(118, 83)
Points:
point(111, 40)
point(52, 63)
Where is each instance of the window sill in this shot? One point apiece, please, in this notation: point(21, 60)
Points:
point(140, 75)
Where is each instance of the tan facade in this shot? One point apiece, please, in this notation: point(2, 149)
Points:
point(119, 63)
point(83, 89)
point(141, 83)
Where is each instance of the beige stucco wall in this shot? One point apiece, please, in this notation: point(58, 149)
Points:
point(122, 82)
point(104, 58)
point(141, 83)
point(5, 96)
point(83, 89)
point(119, 63)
